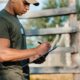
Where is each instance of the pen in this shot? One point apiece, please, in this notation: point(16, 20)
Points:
point(50, 49)
point(39, 42)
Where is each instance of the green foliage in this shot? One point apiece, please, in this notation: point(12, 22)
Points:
point(78, 8)
point(50, 4)
point(49, 21)
point(63, 3)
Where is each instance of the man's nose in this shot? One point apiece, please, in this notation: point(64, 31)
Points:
point(27, 7)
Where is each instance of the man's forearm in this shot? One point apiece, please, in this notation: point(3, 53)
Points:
point(8, 54)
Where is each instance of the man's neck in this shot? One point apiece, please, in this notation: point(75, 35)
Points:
point(9, 9)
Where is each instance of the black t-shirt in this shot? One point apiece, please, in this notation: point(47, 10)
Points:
point(11, 28)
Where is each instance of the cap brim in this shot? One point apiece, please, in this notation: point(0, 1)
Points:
point(34, 2)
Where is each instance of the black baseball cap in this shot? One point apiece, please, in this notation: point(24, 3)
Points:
point(34, 2)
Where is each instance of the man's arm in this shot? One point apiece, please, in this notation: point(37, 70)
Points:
point(40, 59)
point(8, 54)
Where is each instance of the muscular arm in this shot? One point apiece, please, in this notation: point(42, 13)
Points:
point(8, 54)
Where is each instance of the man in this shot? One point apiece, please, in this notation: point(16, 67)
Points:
point(13, 42)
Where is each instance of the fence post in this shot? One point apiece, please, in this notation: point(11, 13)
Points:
point(67, 44)
point(74, 37)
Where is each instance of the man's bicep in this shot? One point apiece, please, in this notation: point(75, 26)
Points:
point(4, 34)
point(4, 42)
point(4, 31)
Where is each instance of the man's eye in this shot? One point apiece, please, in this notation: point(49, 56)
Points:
point(26, 3)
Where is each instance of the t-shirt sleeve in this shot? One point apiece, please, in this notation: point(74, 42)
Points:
point(4, 29)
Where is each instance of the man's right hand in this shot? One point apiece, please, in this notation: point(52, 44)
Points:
point(43, 48)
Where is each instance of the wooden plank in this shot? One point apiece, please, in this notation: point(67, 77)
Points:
point(67, 42)
point(54, 70)
point(52, 77)
point(50, 12)
point(49, 31)
point(75, 38)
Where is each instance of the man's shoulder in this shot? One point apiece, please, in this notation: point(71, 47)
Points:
point(1, 15)
point(2, 20)
point(1, 12)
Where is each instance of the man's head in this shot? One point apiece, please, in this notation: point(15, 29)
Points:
point(19, 7)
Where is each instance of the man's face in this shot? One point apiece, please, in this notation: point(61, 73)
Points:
point(20, 7)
